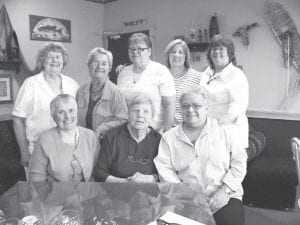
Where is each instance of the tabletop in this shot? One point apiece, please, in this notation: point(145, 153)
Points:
point(114, 203)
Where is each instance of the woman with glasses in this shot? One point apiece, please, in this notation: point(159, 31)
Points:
point(66, 152)
point(127, 151)
point(101, 105)
point(200, 151)
point(178, 62)
point(31, 113)
point(151, 78)
point(228, 87)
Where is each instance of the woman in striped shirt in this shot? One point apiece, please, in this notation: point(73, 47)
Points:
point(178, 62)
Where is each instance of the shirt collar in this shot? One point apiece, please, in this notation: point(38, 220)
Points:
point(224, 74)
point(182, 136)
point(106, 92)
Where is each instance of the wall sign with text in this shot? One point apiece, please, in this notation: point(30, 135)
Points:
point(135, 22)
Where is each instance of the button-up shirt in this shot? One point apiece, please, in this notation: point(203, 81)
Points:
point(110, 111)
point(214, 159)
point(229, 93)
point(33, 104)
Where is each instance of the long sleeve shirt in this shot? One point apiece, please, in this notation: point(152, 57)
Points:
point(229, 93)
point(110, 111)
point(213, 160)
point(52, 161)
point(118, 146)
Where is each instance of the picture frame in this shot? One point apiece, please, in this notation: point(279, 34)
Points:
point(49, 29)
point(6, 94)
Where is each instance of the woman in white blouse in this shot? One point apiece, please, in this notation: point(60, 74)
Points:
point(228, 87)
point(200, 151)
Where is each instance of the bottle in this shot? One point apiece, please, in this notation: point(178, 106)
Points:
point(205, 35)
point(13, 47)
point(200, 35)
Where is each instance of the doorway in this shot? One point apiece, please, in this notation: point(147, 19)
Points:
point(118, 45)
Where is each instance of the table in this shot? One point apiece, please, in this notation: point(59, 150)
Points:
point(124, 204)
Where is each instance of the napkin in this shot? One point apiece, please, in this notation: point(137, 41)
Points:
point(172, 217)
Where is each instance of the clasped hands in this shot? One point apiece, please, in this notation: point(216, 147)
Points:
point(218, 199)
point(141, 178)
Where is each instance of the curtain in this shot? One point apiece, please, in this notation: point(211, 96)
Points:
point(6, 30)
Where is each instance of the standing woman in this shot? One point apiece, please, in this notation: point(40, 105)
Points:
point(31, 113)
point(228, 87)
point(101, 105)
point(185, 77)
point(151, 78)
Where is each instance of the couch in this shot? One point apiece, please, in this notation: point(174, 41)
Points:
point(11, 169)
point(271, 178)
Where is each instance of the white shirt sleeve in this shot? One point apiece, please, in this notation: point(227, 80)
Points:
point(167, 84)
point(238, 163)
point(163, 163)
point(238, 94)
point(24, 102)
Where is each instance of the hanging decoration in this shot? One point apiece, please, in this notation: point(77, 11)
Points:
point(288, 37)
point(10, 50)
point(213, 26)
point(243, 33)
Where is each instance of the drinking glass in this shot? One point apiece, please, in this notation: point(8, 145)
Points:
point(10, 221)
point(69, 217)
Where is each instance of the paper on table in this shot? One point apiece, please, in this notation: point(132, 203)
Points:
point(171, 217)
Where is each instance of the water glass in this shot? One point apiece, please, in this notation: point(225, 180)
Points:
point(10, 221)
point(69, 217)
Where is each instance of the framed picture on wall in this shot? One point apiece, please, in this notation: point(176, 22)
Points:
point(49, 29)
point(5, 88)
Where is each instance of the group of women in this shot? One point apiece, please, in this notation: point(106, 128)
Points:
point(159, 123)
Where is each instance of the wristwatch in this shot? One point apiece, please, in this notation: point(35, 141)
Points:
point(227, 189)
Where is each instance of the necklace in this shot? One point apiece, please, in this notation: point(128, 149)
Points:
point(212, 78)
point(72, 139)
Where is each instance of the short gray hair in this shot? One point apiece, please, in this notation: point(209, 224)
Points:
point(60, 98)
point(199, 90)
point(100, 51)
point(142, 99)
point(51, 47)
point(171, 45)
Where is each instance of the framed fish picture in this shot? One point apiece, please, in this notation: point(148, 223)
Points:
point(49, 29)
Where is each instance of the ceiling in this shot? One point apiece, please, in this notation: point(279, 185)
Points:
point(101, 1)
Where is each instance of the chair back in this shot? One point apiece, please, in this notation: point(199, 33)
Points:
point(295, 145)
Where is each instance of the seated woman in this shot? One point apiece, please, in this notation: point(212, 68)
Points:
point(127, 151)
point(201, 151)
point(101, 105)
point(66, 152)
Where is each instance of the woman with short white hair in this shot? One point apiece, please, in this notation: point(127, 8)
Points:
point(66, 152)
point(101, 105)
point(200, 151)
point(127, 151)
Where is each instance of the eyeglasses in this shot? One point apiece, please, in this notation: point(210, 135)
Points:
point(134, 159)
point(163, 222)
point(138, 50)
point(194, 106)
point(54, 57)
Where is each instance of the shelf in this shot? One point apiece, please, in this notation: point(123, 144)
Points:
point(10, 65)
point(198, 46)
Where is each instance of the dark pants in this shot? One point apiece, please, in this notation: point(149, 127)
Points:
point(231, 214)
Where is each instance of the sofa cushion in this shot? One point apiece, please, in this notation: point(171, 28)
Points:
point(257, 144)
point(273, 171)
